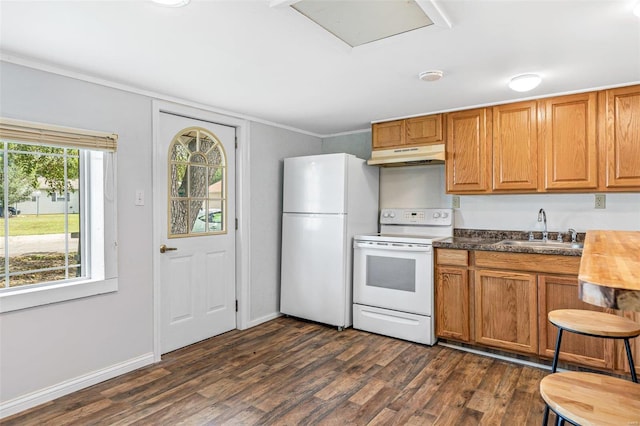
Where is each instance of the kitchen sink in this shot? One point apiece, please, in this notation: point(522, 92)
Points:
point(541, 244)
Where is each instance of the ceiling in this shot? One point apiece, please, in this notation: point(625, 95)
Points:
point(276, 65)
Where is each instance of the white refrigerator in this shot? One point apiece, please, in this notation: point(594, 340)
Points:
point(327, 199)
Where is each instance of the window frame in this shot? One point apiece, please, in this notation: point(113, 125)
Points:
point(188, 198)
point(98, 202)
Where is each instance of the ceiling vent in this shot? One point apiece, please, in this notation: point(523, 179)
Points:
point(365, 21)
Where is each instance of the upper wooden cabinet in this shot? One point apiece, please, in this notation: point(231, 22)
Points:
point(587, 142)
point(468, 151)
point(426, 130)
point(620, 121)
point(388, 135)
point(570, 152)
point(515, 146)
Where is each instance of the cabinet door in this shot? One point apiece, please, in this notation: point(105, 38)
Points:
point(620, 354)
point(515, 147)
point(506, 310)
point(468, 146)
point(561, 292)
point(622, 138)
point(424, 130)
point(452, 303)
point(388, 135)
point(568, 129)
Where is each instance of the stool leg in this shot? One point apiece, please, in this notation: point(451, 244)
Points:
point(632, 367)
point(545, 416)
point(557, 353)
point(554, 366)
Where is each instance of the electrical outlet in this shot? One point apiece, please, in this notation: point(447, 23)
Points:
point(455, 202)
point(601, 201)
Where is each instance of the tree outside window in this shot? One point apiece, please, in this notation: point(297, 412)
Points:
point(42, 242)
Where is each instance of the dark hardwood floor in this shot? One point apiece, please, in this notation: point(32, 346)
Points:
point(290, 372)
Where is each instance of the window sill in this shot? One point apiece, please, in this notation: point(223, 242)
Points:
point(38, 296)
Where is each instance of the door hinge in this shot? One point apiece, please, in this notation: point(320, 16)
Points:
point(236, 223)
point(236, 306)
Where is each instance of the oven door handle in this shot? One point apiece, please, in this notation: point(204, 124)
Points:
point(393, 247)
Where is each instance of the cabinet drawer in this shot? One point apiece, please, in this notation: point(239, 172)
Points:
point(548, 263)
point(452, 257)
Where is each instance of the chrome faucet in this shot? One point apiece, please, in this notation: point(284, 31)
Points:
point(574, 235)
point(542, 217)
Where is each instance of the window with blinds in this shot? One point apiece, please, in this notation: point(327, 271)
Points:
point(56, 187)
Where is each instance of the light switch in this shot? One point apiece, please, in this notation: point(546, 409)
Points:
point(139, 198)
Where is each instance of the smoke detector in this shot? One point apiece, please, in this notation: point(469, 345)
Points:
point(432, 75)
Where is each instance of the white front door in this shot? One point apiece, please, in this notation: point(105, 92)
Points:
point(195, 203)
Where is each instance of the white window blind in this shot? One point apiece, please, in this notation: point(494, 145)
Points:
point(46, 134)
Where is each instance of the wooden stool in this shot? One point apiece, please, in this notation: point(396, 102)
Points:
point(591, 323)
point(597, 324)
point(591, 399)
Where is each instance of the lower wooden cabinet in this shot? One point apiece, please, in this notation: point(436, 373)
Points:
point(561, 292)
point(506, 310)
point(620, 355)
point(452, 303)
point(502, 300)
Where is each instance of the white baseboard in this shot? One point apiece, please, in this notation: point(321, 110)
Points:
point(258, 321)
point(33, 399)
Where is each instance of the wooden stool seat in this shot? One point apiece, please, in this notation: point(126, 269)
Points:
point(594, 323)
point(592, 399)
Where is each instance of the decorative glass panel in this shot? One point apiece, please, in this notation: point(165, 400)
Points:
point(198, 181)
point(197, 190)
point(179, 153)
point(178, 217)
point(179, 180)
point(215, 157)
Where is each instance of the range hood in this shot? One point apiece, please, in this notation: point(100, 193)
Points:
point(409, 156)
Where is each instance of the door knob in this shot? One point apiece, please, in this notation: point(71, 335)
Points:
point(164, 248)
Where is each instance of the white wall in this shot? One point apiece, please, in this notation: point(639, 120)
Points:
point(414, 186)
point(520, 212)
point(358, 144)
point(269, 147)
point(48, 350)
point(45, 346)
point(424, 186)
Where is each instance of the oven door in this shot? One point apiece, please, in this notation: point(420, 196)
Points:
point(393, 276)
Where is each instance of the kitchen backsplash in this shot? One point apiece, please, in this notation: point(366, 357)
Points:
point(424, 186)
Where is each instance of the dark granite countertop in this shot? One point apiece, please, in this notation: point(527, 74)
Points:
point(488, 240)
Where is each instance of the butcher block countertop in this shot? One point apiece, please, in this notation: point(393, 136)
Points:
point(610, 269)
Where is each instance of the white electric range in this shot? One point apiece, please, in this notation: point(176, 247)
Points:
point(393, 274)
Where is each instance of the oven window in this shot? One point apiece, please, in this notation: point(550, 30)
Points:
point(392, 273)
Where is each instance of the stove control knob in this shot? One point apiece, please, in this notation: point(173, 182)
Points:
point(436, 215)
point(445, 215)
point(392, 214)
point(385, 214)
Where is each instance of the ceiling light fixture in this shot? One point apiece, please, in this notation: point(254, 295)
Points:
point(636, 10)
point(172, 3)
point(432, 75)
point(525, 82)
